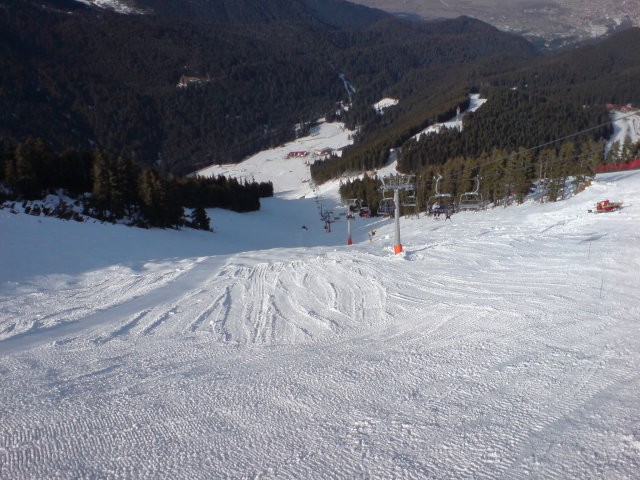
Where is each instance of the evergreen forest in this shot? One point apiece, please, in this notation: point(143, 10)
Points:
point(83, 78)
point(544, 120)
point(118, 189)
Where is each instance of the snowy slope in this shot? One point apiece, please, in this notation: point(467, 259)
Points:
point(475, 102)
point(119, 6)
point(501, 344)
point(383, 104)
point(626, 124)
point(290, 174)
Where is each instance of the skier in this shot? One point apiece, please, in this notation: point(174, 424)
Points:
point(448, 213)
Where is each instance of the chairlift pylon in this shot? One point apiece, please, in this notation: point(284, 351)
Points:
point(398, 183)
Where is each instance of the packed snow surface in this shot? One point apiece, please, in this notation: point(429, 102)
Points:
point(499, 344)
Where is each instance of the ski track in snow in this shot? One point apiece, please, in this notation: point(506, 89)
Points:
point(502, 344)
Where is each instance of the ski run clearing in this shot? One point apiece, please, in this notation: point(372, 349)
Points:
point(500, 344)
point(475, 102)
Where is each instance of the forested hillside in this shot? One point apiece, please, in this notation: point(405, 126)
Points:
point(115, 189)
point(83, 77)
point(532, 103)
point(337, 13)
point(528, 128)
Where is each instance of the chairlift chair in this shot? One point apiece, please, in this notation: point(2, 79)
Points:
point(471, 200)
point(410, 199)
point(354, 205)
point(386, 207)
point(438, 198)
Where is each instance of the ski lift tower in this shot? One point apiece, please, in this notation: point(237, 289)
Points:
point(397, 183)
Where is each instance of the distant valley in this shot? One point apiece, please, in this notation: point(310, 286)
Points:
point(191, 84)
point(551, 24)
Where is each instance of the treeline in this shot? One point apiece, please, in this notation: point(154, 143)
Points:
point(373, 141)
point(118, 188)
point(430, 85)
point(624, 151)
point(505, 176)
point(534, 103)
point(509, 119)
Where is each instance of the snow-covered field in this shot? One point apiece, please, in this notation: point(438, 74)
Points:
point(383, 104)
point(119, 6)
point(290, 174)
point(500, 344)
point(475, 102)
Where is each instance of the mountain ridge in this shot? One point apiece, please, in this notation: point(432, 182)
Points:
point(110, 80)
point(551, 25)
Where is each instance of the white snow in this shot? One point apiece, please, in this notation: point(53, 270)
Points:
point(291, 177)
point(384, 104)
point(475, 102)
point(626, 123)
point(119, 6)
point(500, 344)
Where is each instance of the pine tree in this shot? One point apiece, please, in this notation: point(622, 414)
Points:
point(626, 152)
point(73, 171)
point(495, 175)
point(152, 197)
point(200, 219)
point(101, 190)
point(553, 177)
point(567, 156)
point(9, 170)
point(159, 200)
point(613, 155)
point(585, 168)
point(543, 166)
point(116, 189)
point(32, 159)
point(3, 160)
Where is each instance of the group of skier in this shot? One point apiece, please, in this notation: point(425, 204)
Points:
point(441, 209)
